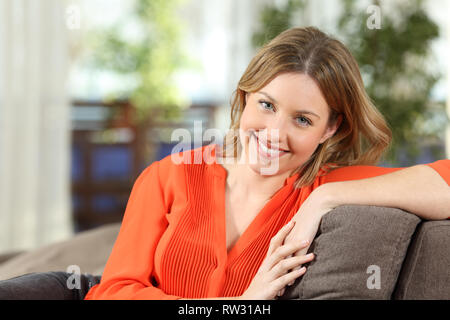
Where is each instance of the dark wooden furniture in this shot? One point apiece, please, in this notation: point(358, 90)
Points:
point(109, 151)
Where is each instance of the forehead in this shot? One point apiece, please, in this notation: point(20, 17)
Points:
point(296, 91)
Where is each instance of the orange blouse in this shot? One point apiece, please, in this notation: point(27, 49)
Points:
point(172, 242)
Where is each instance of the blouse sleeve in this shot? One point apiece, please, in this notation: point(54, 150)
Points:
point(442, 167)
point(127, 274)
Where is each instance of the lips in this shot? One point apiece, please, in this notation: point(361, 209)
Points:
point(269, 150)
point(270, 145)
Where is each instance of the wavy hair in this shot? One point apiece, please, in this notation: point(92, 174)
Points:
point(363, 134)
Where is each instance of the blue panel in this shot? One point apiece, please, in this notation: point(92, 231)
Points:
point(112, 163)
point(166, 149)
point(106, 203)
point(77, 163)
point(425, 157)
point(77, 203)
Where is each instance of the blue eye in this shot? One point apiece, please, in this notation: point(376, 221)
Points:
point(303, 121)
point(266, 105)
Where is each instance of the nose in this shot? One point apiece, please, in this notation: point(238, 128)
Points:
point(276, 132)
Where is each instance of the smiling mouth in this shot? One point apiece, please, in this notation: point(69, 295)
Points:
point(266, 151)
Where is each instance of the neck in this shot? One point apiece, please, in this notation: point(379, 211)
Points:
point(244, 181)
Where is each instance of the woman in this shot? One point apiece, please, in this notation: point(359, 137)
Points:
point(304, 139)
point(306, 136)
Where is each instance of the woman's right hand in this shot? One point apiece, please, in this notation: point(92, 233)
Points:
point(279, 267)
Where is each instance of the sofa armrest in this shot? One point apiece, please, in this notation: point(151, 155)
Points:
point(426, 271)
point(89, 250)
point(9, 255)
point(359, 254)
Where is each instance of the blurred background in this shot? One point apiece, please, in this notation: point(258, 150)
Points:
point(91, 91)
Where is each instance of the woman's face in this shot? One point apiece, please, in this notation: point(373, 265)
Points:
point(283, 123)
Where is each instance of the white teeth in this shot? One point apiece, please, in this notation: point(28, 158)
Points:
point(271, 152)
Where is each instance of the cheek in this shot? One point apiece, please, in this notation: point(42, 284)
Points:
point(304, 146)
point(250, 119)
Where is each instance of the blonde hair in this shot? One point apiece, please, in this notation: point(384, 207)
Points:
point(363, 134)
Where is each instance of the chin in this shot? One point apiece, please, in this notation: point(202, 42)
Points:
point(263, 171)
point(267, 170)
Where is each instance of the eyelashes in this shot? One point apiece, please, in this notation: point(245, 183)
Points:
point(300, 120)
point(306, 121)
point(266, 105)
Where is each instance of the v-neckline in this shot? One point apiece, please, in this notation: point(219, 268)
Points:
point(256, 225)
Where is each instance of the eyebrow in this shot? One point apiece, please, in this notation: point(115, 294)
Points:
point(297, 111)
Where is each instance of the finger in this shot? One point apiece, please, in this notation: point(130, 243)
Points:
point(298, 267)
point(307, 258)
point(289, 249)
point(285, 265)
point(283, 281)
point(284, 251)
point(281, 292)
point(289, 256)
point(278, 239)
point(302, 251)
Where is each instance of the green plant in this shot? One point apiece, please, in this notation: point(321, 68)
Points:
point(393, 61)
point(276, 19)
point(150, 59)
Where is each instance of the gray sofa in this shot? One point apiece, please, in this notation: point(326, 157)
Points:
point(362, 252)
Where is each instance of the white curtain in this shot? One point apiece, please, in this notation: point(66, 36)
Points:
point(447, 140)
point(34, 124)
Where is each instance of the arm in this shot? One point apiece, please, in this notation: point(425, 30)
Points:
point(422, 190)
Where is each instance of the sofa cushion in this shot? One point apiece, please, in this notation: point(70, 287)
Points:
point(47, 286)
point(89, 250)
point(359, 253)
point(9, 255)
point(426, 271)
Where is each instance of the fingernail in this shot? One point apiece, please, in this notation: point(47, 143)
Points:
point(290, 224)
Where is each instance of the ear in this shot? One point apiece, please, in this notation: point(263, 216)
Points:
point(331, 130)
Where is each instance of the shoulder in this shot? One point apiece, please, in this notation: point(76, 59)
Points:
point(355, 172)
point(181, 165)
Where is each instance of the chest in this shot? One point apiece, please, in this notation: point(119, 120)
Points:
point(239, 214)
